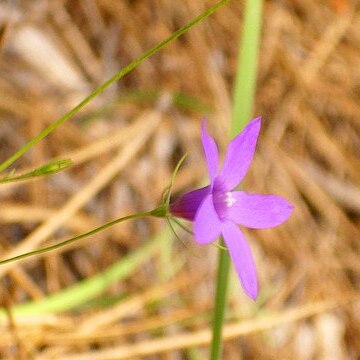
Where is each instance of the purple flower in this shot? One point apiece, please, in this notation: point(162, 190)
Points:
point(216, 208)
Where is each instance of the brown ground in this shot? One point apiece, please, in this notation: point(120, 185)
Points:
point(54, 52)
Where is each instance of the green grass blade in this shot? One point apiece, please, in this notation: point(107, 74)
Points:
point(245, 81)
point(244, 91)
point(90, 288)
point(150, 97)
point(105, 85)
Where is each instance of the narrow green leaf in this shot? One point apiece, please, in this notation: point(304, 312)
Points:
point(44, 170)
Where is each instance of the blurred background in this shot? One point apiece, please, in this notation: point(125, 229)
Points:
point(125, 145)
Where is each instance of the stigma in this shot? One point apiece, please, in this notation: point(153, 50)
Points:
point(229, 199)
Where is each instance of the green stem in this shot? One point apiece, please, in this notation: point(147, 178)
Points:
point(76, 238)
point(104, 86)
point(244, 91)
point(220, 303)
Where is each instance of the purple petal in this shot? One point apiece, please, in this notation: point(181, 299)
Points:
point(241, 256)
point(188, 204)
point(211, 152)
point(258, 211)
point(239, 156)
point(207, 225)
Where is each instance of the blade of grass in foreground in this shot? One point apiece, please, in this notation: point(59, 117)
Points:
point(244, 90)
point(88, 289)
point(105, 85)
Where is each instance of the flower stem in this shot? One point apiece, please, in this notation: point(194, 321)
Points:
point(244, 91)
point(75, 238)
point(220, 303)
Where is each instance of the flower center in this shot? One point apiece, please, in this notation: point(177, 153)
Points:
point(229, 199)
point(222, 202)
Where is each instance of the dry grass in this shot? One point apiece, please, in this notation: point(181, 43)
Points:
point(125, 145)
